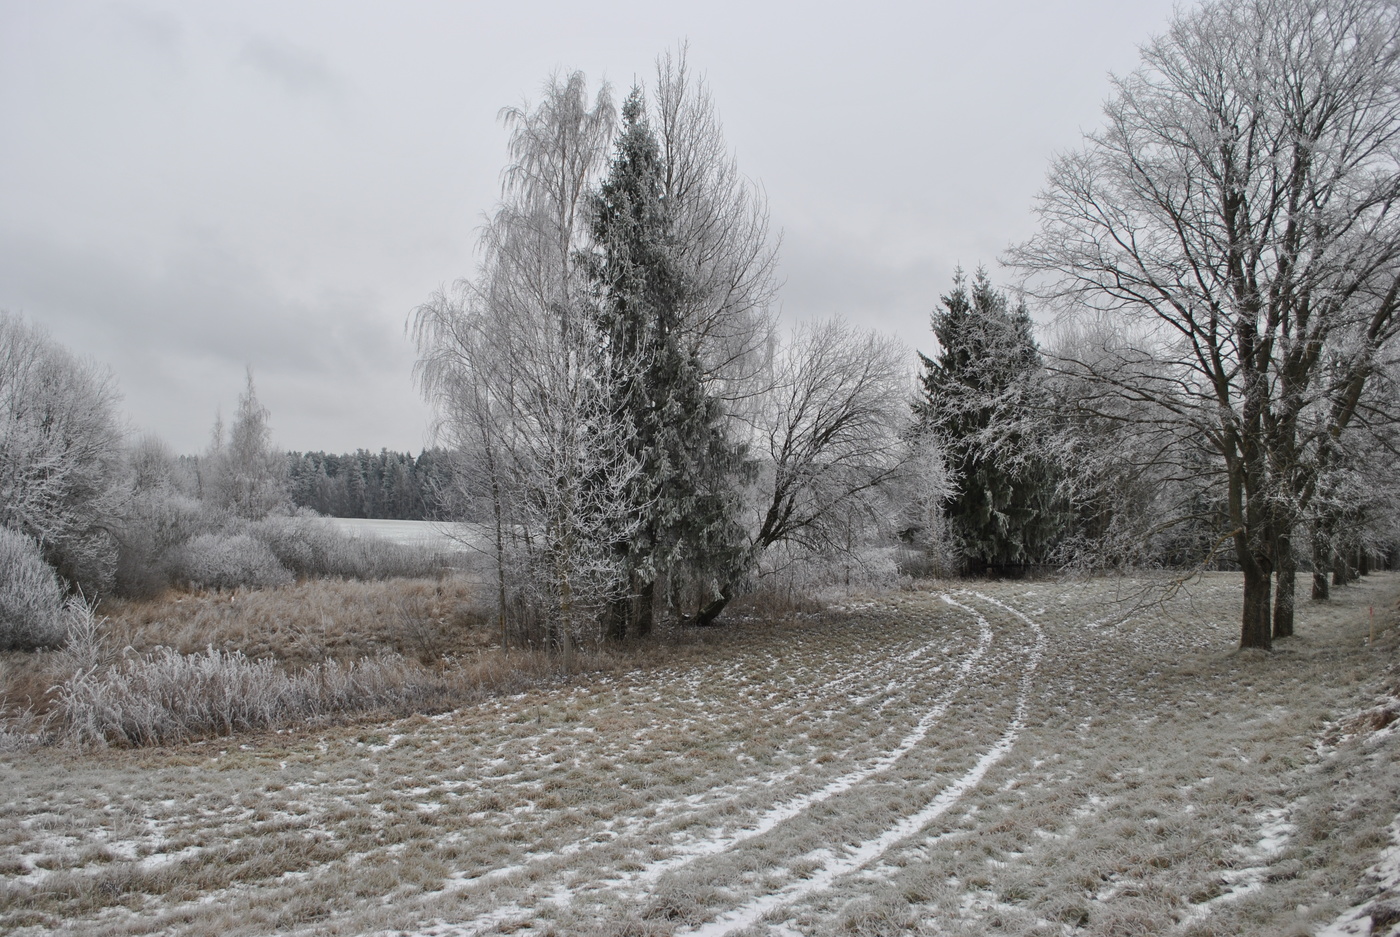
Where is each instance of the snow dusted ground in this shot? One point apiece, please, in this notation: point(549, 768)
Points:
point(438, 535)
point(1015, 758)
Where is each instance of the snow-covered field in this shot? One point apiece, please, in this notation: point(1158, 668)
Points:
point(437, 535)
point(1013, 758)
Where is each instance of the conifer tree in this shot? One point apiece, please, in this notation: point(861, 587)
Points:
point(1002, 513)
point(688, 538)
point(248, 474)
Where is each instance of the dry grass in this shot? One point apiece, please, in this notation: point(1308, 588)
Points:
point(311, 621)
point(1156, 782)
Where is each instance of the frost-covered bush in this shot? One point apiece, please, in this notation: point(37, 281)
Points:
point(60, 453)
point(157, 526)
point(226, 561)
point(168, 696)
point(31, 598)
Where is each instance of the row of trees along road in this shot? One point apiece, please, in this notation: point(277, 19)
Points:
point(637, 431)
point(1236, 221)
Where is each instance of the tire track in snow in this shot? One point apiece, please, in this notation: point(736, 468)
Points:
point(870, 850)
point(780, 813)
point(630, 882)
point(673, 811)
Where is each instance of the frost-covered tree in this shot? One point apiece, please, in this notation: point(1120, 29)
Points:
point(720, 238)
point(977, 395)
point(831, 441)
point(1240, 207)
point(1138, 486)
point(688, 537)
point(510, 359)
point(246, 474)
point(60, 453)
point(611, 380)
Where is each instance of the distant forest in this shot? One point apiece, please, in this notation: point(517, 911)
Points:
point(392, 485)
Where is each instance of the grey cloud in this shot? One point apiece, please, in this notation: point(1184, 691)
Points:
point(159, 31)
point(299, 72)
point(824, 278)
point(197, 323)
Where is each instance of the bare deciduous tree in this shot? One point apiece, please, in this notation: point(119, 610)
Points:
point(721, 233)
point(509, 359)
point(1240, 203)
point(828, 443)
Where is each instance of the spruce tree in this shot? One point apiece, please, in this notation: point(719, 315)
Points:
point(1003, 514)
point(689, 539)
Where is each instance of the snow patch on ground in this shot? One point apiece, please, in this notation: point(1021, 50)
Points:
point(1378, 916)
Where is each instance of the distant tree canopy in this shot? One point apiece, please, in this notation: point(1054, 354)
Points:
point(392, 485)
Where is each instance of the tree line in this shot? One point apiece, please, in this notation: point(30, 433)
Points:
point(392, 485)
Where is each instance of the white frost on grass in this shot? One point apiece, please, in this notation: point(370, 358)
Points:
point(782, 812)
point(717, 843)
point(1356, 921)
point(865, 853)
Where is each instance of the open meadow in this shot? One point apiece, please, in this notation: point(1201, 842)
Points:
point(967, 758)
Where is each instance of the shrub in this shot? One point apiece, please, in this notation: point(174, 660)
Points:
point(225, 561)
point(31, 598)
point(158, 524)
point(167, 696)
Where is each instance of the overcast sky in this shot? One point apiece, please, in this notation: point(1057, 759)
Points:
point(188, 188)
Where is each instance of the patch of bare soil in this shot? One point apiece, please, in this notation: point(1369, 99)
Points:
point(1018, 758)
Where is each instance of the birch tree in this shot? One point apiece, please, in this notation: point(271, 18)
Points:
point(510, 360)
point(1239, 204)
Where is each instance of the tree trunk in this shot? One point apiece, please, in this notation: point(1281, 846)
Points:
point(615, 619)
point(1284, 587)
point(1363, 563)
point(645, 609)
point(1320, 589)
point(708, 614)
point(566, 647)
point(497, 517)
point(1254, 625)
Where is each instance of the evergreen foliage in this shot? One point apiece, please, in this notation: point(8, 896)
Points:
point(1003, 511)
point(689, 538)
point(389, 485)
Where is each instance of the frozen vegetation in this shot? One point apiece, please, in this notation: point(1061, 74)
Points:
point(1021, 758)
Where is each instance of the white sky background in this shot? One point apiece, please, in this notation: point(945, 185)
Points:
point(188, 188)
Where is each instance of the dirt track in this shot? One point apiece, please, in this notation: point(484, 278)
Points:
point(1017, 758)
